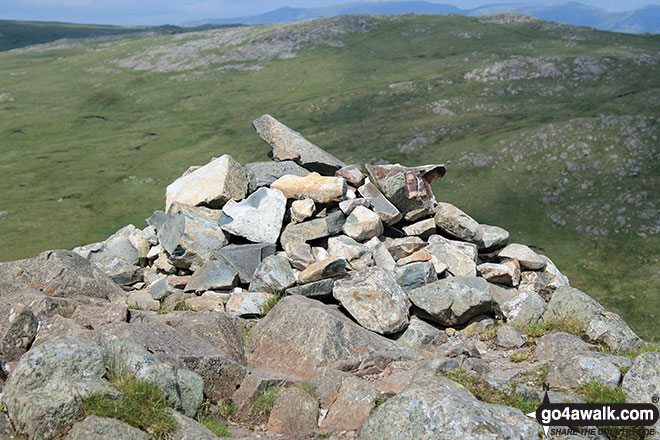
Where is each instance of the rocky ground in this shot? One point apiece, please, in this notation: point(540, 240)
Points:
point(299, 298)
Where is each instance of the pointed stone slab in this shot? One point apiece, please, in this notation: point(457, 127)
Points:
point(257, 218)
point(290, 145)
point(387, 212)
point(409, 189)
point(246, 258)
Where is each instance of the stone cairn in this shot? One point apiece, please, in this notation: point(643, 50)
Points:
point(303, 270)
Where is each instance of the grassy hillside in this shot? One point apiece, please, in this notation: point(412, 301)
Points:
point(550, 131)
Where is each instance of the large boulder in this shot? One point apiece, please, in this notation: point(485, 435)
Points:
point(58, 273)
point(300, 334)
point(453, 301)
point(321, 189)
point(290, 145)
point(600, 325)
point(409, 189)
point(257, 218)
point(191, 236)
point(211, 185)
point(374, 299)
point(557, 345)
point(580, 368)
point(44, 392)
point(295, 414)
point(129, 244)
point(438, 408)
point(264, 173)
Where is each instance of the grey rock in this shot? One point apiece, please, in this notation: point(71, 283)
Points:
point(458, 262)
point(253, 385)
point(257, 218)
point(328, 268)
point(248, 304)
point(129, 244)
point(414, 275)
point(438, 408)
point(274, 274)
point(356, 254)
point(381, 255)
point(313, 229)
point(161, 353)
point(301, 210)
point(300, 255)
point(510, 337)
point(409, 189)
point(459, 348)
point(156, 219)
point(523, 308)
point(213, 275)
point(351, 407)
point(528, 258)
point(264, 173)
point(600, 325)
point(453, 301)
point(374, 299)
point(552, 346)
point(18, 332)
point(363, 224)
point(642, 381)
point(577, 369)
point(294, 414)
point(102, 428)
point(537, 282)
point(120, 271)
point(387, 212)
point(454, 222)
point(420, 335)
point(288, 144)
point(191, 236)
point(508, 273)
point(321, 336)
point(316, 290)
point(246, 258)
point(492, 238)
point(43, 393)
point(143, 300)
point(557, 279)
point(212, 185)
point(347, 206)
point(352, 175)
point(422, 229)
point(58, 273)
point(161, 289)
point(402, 247)
point(188, 429)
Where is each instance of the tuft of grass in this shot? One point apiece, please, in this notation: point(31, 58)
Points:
point(227, 408)
point(520, 356)
point(181, 306)
point(379, 400)
point(538, 376)
point(163, 310)
point(632, 354)
point(485, 392)
point(264, 403)
point(489, 334)
point(272, 301)
point(309, 389)
point(596, 392)
point(216, 427)
point(566, 324)
point(142, 405)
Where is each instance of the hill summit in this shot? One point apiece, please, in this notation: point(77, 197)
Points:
point(300, 297)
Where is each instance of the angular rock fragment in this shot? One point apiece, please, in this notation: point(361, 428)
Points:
point(301, 210)
point(507, 273)
point(142, 300)
point(387, 212)
point(352, 175)
point(313, 229)
point(363, 224)
point(347, 206)
point(523, 308)
point(352, 406)
point(414, 275)
point(492, 238)
point(458, 262)
point(453, 301)
point(573, 370)
point(402, 247)
point(409, 189)
point(381, 255)
point(211, 185)
point(356, 254)
point(420, 335)
point(295, 414)
point(455, 223)
point(415, 257)
point(18, 332)
point(248, 304)
point(257, 218)
point(374, 299)
point(129, 244)
point(246, 258)
point(214, 275)
point(316, 289)
point(510, 337)
point(191, 236)
point(274, 274)
point(422, 229)
point(319, 188)
point(321, 336)
point(264, 173)
point(327, 268)
point(211, 303)
point(527, 258)
point(103, 428)
point(288, 144)
point(300, 255)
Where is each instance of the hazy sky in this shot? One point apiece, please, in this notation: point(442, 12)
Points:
point(129, 12)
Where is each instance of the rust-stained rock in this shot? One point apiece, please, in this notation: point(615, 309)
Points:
point(409, 189)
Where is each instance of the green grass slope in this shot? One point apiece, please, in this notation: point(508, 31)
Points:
point(550, 131)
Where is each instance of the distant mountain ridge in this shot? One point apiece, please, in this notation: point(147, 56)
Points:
point(642, 20)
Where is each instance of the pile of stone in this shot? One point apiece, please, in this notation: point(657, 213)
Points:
point(297, 270)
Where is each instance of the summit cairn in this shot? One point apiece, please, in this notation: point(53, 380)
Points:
point(359, 297)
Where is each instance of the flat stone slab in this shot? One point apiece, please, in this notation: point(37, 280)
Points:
point(321, 189)
point(245, 258)
point(264, 173)
point(258, 218)
point(214, 275)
